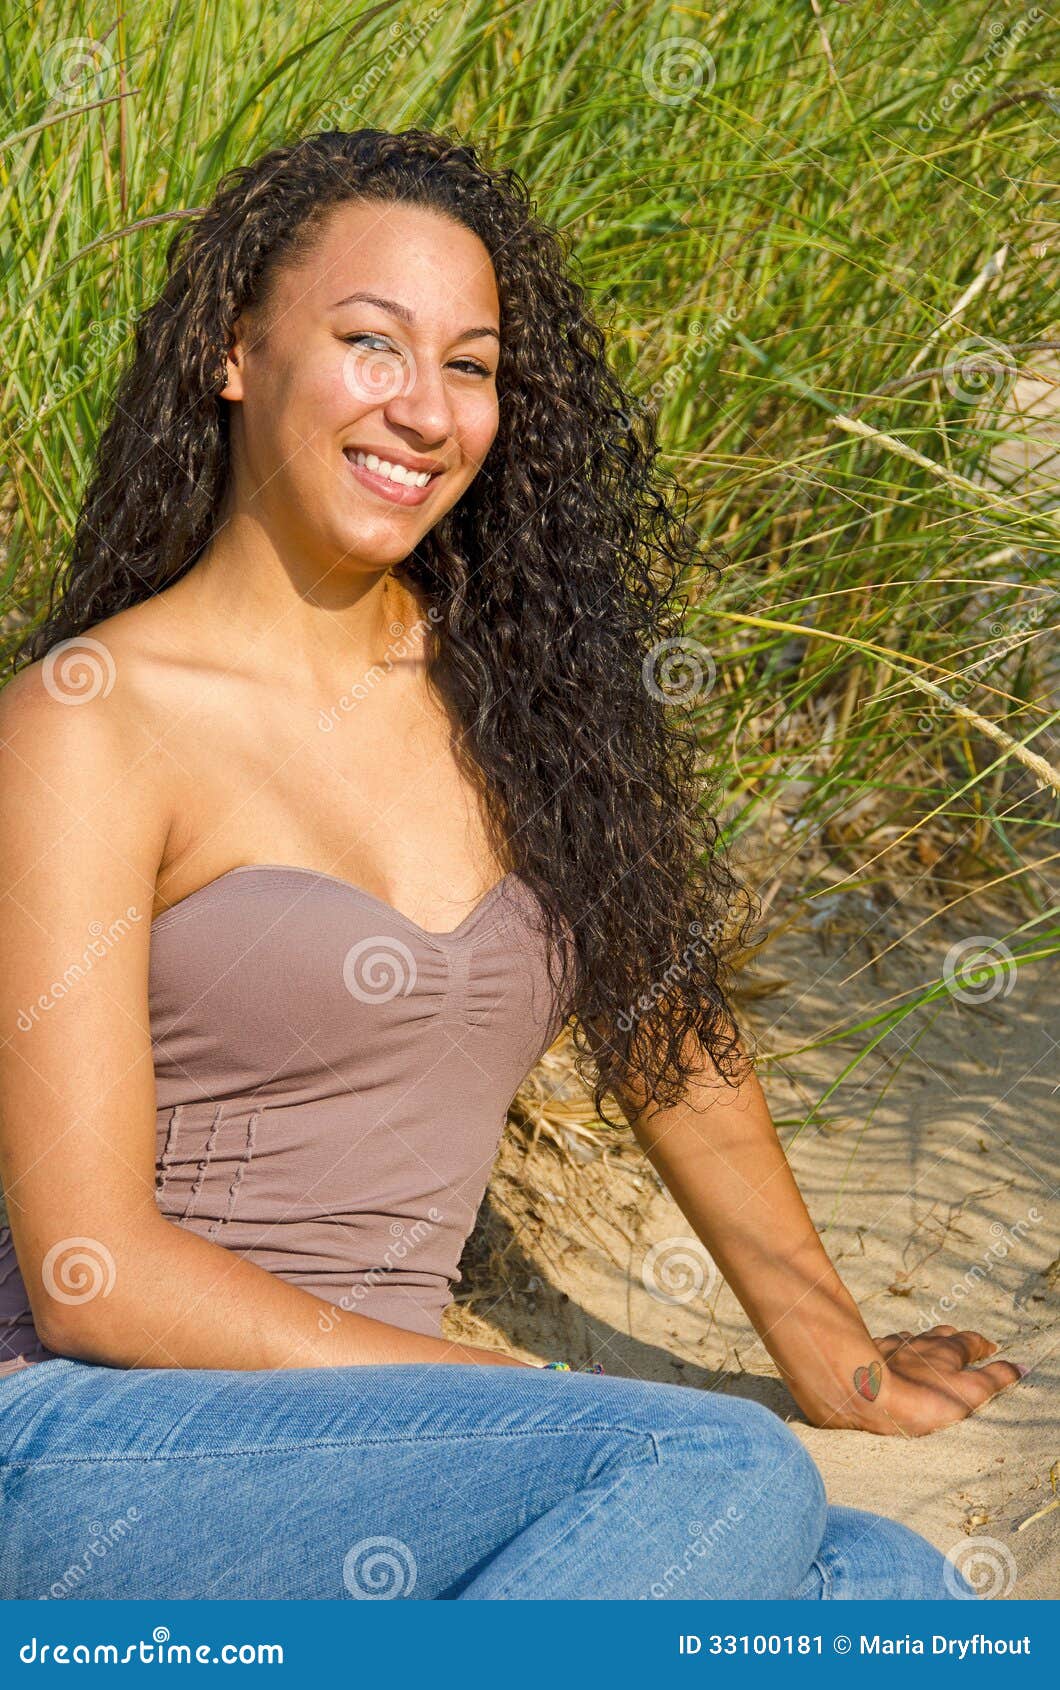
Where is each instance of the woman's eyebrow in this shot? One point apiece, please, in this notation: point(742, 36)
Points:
point(396, 309)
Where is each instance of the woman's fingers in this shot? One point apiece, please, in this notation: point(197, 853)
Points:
point(939, 1347)
point(891, 1340)
point(960, 1347)
point(978, 1344)
point(977, 1340)
point(964, 1344)
point(973, 1346)
point(976, 1385)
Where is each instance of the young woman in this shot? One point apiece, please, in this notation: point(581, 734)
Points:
point(337, 779)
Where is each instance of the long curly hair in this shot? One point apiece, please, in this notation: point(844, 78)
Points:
point(557, 583)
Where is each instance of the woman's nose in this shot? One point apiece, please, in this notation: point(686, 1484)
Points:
point(422, 403)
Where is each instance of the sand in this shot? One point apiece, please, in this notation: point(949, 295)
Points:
point(930, 1173)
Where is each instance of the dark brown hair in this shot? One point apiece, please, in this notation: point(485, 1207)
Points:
point(557, 580)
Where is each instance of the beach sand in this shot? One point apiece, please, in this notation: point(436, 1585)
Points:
point(930, 1173)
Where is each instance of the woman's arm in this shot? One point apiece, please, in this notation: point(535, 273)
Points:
point(719, 1156)
point(181, 1301)
point(83, 826)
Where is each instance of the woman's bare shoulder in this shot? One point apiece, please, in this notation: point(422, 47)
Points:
point(113, 684)
point(96, 713)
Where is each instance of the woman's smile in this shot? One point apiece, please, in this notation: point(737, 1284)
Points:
point(389, 479)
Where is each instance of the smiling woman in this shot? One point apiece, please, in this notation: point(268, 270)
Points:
point(300, 361)
point(242, 1153)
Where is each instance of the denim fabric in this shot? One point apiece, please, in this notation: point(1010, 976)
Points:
point(423, 1482)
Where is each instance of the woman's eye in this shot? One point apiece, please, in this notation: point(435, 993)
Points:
point(383, 344)
point(380, 343)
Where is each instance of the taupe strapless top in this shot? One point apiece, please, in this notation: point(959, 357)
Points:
point(332, 1082)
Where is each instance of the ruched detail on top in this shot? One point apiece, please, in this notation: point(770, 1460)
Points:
point(332, 1082)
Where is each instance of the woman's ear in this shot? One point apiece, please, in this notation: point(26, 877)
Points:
point(233, 388)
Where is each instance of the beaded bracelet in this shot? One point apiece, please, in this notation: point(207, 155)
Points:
point(565, 1367)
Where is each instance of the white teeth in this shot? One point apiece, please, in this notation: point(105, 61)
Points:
point(393, 472)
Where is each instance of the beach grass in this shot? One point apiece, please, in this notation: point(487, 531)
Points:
point(822, 239)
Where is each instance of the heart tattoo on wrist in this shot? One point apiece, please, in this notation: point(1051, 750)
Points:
point(867, 1380)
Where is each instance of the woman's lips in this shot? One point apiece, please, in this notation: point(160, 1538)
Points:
point(396, 492)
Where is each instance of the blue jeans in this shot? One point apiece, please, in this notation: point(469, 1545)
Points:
point(423, 1482)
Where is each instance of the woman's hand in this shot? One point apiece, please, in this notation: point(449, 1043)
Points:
point(927, 1382)
point(719, 1156)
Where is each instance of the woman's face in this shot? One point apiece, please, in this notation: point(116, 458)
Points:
point(407, 375)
